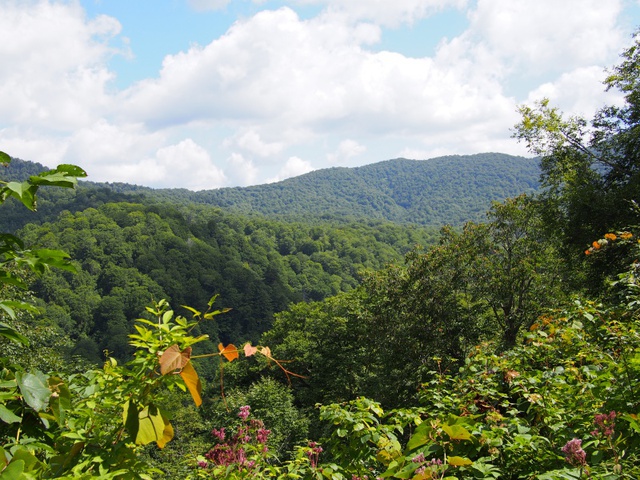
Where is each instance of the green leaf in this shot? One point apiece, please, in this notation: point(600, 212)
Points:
point(7, 416)
point(71, 170)
point(10, 242)
point(5, 159)
point(130, 419)
point(457, 432)
point(60, 401)
point(13, 471)
point(420, 436)
point(62, 176)
point(23, 191)
point(34, 389)
point(459, 461)
point(10, 333)
point(154, 427)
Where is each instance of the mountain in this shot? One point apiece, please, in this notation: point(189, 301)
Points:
point(444, 190)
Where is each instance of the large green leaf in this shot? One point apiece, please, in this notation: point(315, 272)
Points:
point(154, 427)
point(130, 419)
point(54, 258)
point(456, 432)
point(34, 389)
point(23, 191)
point(61, 176)
point(14, 471)
point(7, 416)
point(421, 436)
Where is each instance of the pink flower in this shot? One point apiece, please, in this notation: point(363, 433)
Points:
point(574, 454)
point(605, 424)
point(244, 412)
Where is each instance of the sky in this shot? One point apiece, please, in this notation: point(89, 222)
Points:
point(203, 94)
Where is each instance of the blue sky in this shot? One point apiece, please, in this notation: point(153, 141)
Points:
point(212, 93)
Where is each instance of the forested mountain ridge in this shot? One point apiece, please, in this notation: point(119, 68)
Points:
point(445, 190)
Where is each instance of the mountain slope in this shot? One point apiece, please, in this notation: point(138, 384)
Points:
point(444, 190)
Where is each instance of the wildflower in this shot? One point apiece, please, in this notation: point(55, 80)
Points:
point(202, 464)
point(262, 435)
point(605, 424)
point(244, 412)
point(588, 251)
point(626, 235)
point(418, 458)
point(610, 236)
point(574, 454)
point(219, 434)
point(314, 453)
point(596, 245)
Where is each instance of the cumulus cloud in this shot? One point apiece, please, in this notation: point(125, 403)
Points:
point(240, 170)
point(54, 73)
point(252, 142)
point(294, 167)
point(277, 88)
point(579, 91)
point(547, 34)
point(384, 12)
point(279, 70)
point(346, 150)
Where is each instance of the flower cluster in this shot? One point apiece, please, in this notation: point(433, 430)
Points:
point(431, 467)
point(244, 412)
point(574, 454)
point(314, 453)
point(605, 424)
point(608, 237)
point(240, 449)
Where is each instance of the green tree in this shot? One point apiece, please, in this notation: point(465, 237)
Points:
point(590, 170)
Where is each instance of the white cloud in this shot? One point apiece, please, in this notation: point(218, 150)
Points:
point(346, 150)
point(277, 70)
point(240, 170)
point(385, 12)
point(54, 75)
point(252, 142)
point(579, 91)
point(188, 164)
point(294, 167)
point(547, 34)
point(275, 88)
point(203, 5)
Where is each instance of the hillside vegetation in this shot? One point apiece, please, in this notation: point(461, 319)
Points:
point(503, 349)
point(445, 190)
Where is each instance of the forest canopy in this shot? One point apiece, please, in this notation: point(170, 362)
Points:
point(508, 348)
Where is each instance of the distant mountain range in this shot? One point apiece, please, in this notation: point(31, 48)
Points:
point(443, 190)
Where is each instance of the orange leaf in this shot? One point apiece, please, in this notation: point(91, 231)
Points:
point(249, 350)
point(173, 359)
point(230, 352)
point(192, 381)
